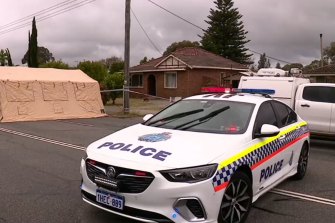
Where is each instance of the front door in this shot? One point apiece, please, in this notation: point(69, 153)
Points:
point(315, 107)
point(152, 85)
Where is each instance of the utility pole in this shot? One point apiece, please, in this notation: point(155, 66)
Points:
point(321, 50)
point(126, 59)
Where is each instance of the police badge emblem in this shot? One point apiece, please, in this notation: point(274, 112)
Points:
point(155, 137)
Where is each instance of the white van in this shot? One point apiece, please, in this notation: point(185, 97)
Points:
point(285, 87)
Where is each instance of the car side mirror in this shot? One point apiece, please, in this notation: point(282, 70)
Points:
point(147, 117)
point(268, 131)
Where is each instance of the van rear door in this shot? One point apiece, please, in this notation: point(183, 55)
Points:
point(314, 104)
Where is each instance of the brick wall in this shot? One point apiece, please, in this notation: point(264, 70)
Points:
point(189, 82)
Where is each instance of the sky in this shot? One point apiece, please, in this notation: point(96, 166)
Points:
point(94, 29)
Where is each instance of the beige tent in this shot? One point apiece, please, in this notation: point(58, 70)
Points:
point(29, 94)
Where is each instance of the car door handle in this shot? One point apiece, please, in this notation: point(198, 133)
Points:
point(305, 105)
point(282, 137)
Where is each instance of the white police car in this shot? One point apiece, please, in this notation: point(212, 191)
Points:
point(205, 158)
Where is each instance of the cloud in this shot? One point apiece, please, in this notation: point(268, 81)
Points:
point(287, 30)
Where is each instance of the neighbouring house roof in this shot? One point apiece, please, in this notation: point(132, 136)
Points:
point(189, 57)
point(325, 70)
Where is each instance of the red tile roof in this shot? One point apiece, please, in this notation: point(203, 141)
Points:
point(194, 58)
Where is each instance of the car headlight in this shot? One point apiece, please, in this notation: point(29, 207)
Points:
point(190, 175)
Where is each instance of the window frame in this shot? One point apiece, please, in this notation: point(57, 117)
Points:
point(141, 80)
point(289, 113)
point(165, 79)
point(254, 131)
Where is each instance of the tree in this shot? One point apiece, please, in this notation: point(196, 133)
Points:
point(33, 46)
point(313, 65)
point(43, 56)
point(95, 70)
point(225, 35)
point(144, 60)
point(116, 67)
point(113, 64)
point(56, 64)
point(263, 62)
point(329, 53)
point(9, 58)
point(278, 66)
point(112, 82)
point(179, 45)
point(288, 67)
point(3, 58)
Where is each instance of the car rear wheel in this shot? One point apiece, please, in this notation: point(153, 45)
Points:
point(302, 163)
point(236, 201)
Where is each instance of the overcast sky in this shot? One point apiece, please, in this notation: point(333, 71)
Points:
point(287, 30)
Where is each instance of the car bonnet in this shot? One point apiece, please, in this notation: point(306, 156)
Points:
point(152, 148)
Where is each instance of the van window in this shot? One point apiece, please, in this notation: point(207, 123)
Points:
point(319, 94)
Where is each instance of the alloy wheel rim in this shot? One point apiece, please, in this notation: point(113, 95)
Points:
point(236, 202)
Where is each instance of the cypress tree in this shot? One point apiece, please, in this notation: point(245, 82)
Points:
point(9, 58)
point(33, 46)
point(225, 35)
point(28, 52)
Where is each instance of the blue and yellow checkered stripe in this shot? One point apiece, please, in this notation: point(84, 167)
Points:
point(257, 154)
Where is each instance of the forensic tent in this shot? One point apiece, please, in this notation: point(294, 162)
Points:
point(29, 94)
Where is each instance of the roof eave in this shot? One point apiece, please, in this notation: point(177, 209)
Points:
point(221, 68)
point(157, 70)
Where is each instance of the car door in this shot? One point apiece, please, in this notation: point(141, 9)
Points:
point(315, 107)
point(271, 157)
point(288, 123)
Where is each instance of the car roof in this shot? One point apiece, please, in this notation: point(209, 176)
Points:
point(239, 97)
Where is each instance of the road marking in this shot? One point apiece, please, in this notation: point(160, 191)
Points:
point(43, 139)
point(76, 123)
point(275, 191)
point(303, 196)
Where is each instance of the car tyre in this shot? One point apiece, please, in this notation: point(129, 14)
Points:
point(237, 199)
point(302, 163)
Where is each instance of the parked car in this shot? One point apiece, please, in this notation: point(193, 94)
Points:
point(205, 158)
point(314, 102)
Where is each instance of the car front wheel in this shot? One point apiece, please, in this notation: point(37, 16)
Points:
point(236, 201)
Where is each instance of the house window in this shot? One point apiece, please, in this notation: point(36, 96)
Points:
point(170, 80)
point(136, 80)
point(225, 80)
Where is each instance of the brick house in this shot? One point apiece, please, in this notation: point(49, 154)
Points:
point(325, 74)
point(184, 73)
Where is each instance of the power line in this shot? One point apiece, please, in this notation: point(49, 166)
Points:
point(29, 17)
point(152, 43)
point(283, 61)
point(187, 21)
point(51, 13)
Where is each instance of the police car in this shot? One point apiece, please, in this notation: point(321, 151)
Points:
point(205, 158)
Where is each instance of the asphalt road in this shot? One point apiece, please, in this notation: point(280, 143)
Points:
point(39, 177)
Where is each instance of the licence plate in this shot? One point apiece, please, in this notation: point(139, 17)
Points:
point(110, 199)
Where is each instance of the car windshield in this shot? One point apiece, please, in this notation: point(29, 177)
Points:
point(213, 116)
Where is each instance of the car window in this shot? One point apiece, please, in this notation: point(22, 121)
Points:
point(212, 116)
point(285, 114)
point(319, 94)
point(265, 115)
